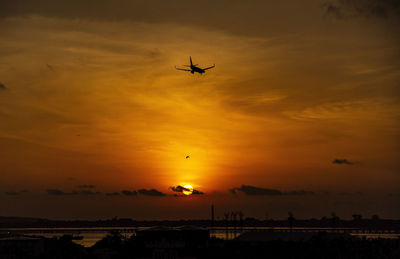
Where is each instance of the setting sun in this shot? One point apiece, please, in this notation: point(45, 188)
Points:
point(188, 189)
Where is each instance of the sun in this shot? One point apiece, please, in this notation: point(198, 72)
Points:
point(188, 189)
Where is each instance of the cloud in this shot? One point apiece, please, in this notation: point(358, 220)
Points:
point(249, 18)
point(2, 86)
point(197, 192)
point(85, 192)
point(332, 10)
point(342, 161)
point(13, 193)
point(362, 8)
point(180, 189)
point(55, 192)
point(113, 194)
point(129, 193)
point(58, 192)
point(152, 192)
point(145, 192)
point(233, 190)
point(50, 67)
point(258, 191)
point(86, 186)
point(252, 190)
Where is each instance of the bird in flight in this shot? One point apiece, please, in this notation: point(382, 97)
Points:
point(187, 157)
point(194, 68)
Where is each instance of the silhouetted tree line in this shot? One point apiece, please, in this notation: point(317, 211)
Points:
point(323, 245)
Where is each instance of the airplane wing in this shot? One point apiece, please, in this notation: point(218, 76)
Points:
point(209, 67)
point(182, 69)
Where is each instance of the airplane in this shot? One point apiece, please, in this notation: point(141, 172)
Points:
point(194, 68)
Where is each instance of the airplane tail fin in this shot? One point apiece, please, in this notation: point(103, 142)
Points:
point(191, 64)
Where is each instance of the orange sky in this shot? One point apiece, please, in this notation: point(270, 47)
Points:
point(89, 96)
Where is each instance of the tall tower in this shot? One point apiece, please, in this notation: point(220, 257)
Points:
point(212, 215)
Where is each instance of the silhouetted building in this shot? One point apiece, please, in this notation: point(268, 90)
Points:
point(173, 243)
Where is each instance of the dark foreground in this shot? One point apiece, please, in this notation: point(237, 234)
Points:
point(195, 243)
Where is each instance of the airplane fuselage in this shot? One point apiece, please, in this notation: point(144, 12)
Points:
point(196, 69)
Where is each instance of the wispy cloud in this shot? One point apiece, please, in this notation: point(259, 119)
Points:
point(252, 17)
point(366, 8)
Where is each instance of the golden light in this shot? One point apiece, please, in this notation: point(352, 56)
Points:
point(188, 189)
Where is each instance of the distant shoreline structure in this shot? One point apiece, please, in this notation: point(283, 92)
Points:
point(335, 223)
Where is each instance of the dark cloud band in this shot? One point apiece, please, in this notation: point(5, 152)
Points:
point(152, 192)
point(58, 192)
point(342, 161)
point(258, 191)
point(129, 193)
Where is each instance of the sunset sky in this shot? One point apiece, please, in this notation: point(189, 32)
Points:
point(301, 112)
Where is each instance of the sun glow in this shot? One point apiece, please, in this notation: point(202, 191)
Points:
point(188, 189)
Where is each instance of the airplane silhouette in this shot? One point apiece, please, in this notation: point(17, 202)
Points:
point(194, 68)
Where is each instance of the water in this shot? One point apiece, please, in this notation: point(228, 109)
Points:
point(230, 233)
point(90, 235)
point(93, 235)
point(89, 238)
